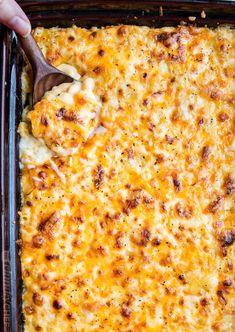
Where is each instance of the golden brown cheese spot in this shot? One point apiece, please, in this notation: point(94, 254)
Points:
point(71, 38)
point(169, 139)
point(159, 158)
point(182, 278)
point(176, 183)
point(156, 241)
point(101, 53)
point(57, 304)
point(122, 31)
point(44, 120)
point(42, 175)
point(167, 39)
point(227, 283)
point(71, 316)
point(200, 121)
point(215, 205)
point(222, 117)
point(205, 301)
point(229, 185)
point(38, 241)
point(145, 237)
point(205, 153)
point(49, 225)
point(131, 204)
point(29, 310)
point(130, 153)
point(184, 212)
point(227, 238)
point(52, 257)
point(99, 176)
point(221, 296)
point(125, 311)
point(37, 299)
point(117, 272)
point(98, 70)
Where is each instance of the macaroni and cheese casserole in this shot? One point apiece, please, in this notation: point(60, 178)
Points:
point(128, 182)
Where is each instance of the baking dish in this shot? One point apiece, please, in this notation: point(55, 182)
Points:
point(52, 13)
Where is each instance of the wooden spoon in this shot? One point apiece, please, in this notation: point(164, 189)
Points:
point(45, 76)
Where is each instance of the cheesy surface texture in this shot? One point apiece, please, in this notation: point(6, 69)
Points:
point(127, 221)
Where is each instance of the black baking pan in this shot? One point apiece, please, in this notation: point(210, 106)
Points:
point(64, 13)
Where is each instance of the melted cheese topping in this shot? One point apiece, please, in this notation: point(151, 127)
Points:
point(135, 230)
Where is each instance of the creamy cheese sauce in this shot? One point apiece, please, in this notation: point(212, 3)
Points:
point(32, 150)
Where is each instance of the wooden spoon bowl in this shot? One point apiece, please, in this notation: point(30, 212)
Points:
point(45, 76)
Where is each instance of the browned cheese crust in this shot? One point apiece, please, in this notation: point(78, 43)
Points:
point(128, 224)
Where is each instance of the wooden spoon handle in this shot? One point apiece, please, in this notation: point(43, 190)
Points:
point(33, 52)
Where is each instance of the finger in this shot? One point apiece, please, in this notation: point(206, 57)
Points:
point(14, 18)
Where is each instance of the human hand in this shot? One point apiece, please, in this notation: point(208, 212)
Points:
point(14, 18)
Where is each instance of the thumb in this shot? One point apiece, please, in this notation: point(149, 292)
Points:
point(14, 18)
